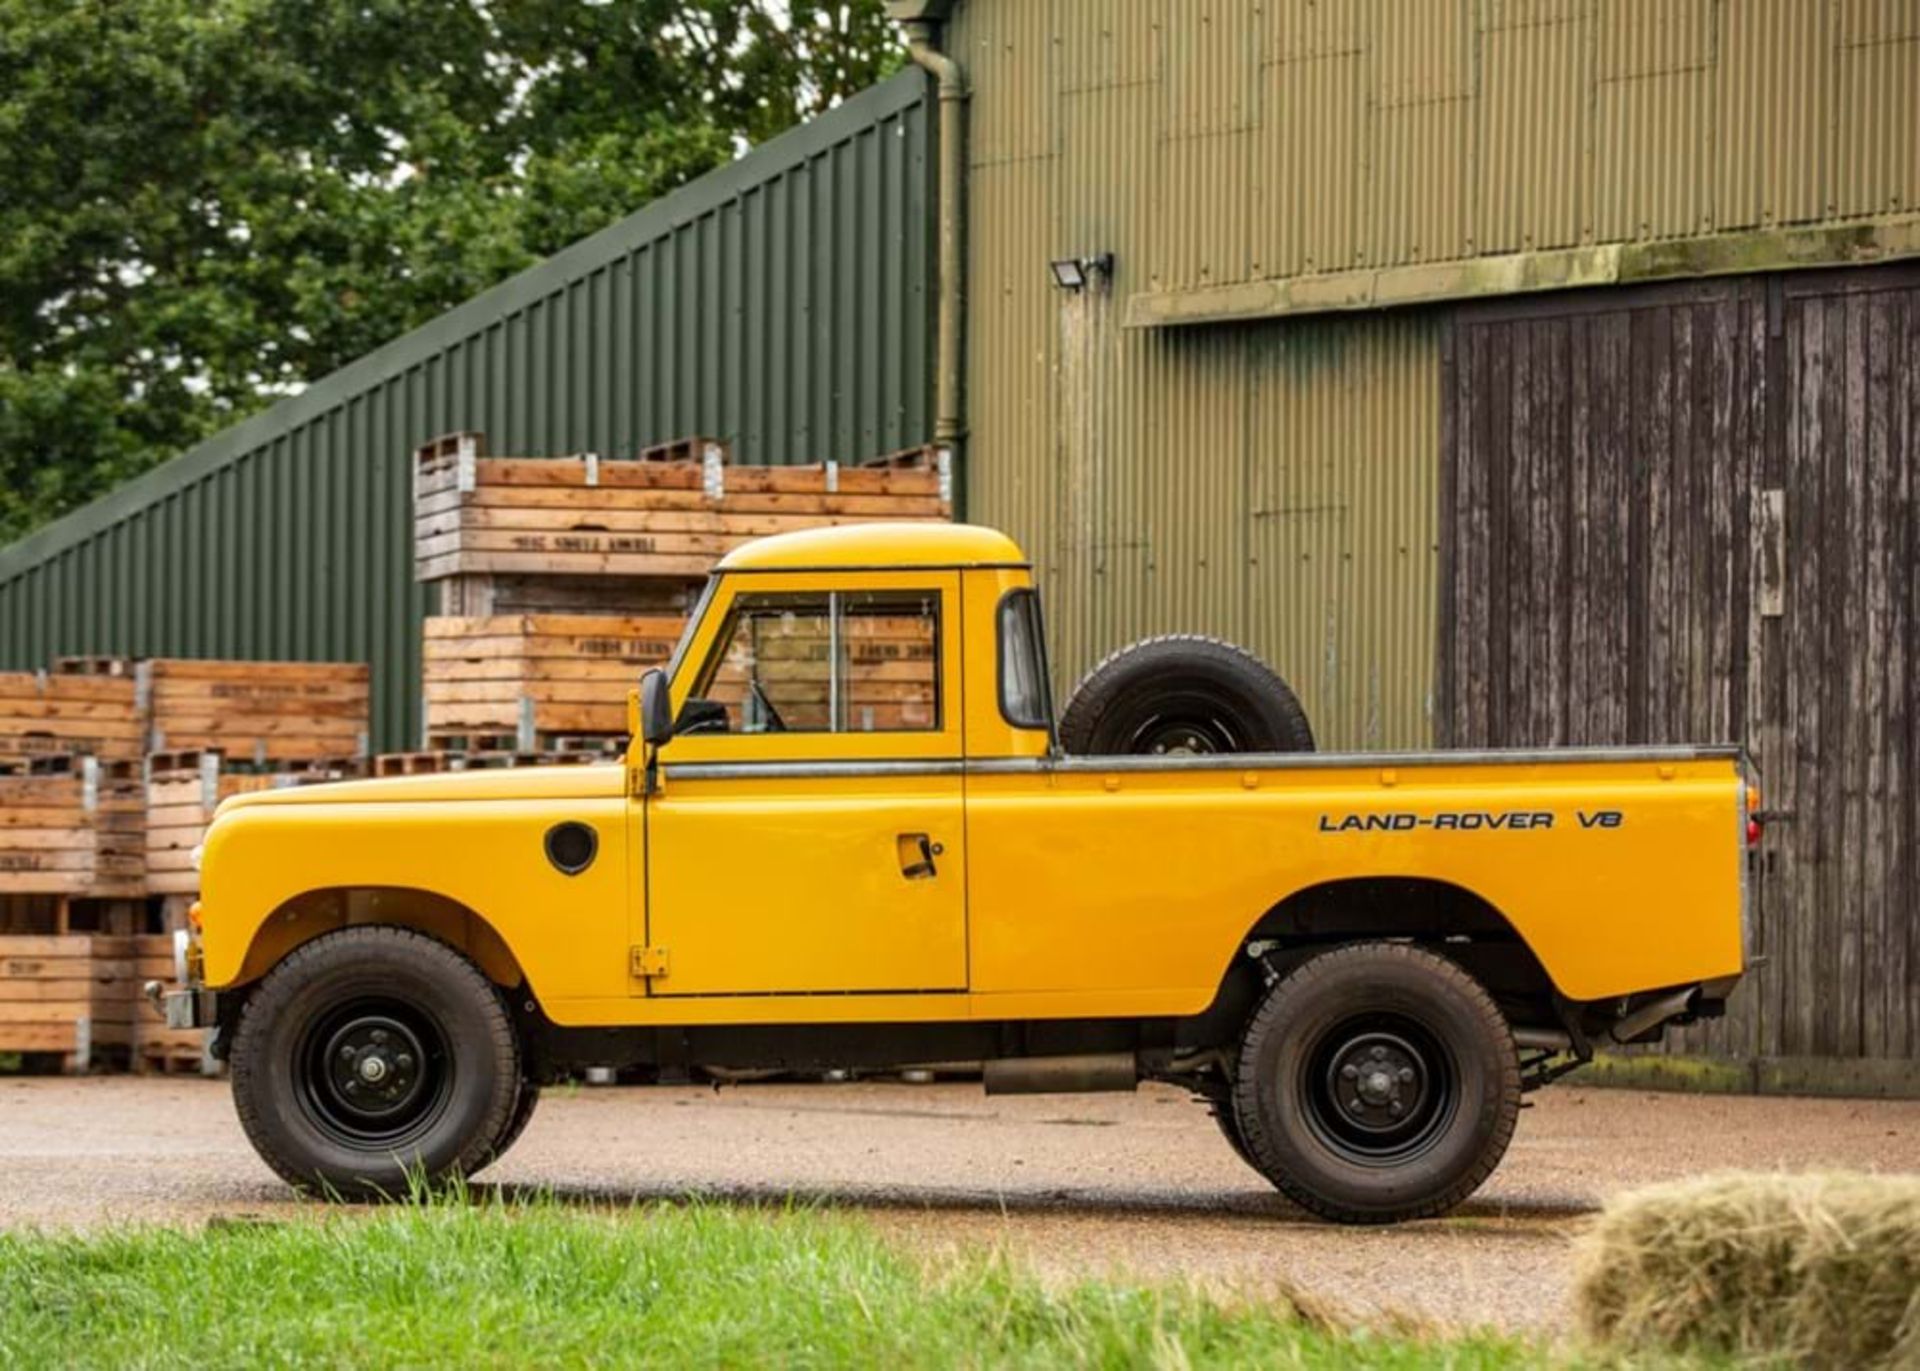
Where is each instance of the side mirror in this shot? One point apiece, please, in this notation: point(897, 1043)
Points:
point(656, 708)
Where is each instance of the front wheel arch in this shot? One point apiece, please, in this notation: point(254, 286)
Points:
point(314, 913)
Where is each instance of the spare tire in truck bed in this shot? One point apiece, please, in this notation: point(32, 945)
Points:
point(1182, 694)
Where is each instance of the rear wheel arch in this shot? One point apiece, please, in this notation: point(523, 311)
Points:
point(1449, 919)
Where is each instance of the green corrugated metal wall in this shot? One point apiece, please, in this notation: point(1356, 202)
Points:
point(782, 302)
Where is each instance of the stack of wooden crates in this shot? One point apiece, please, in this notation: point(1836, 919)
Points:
point(96, 834)
point(558, 580)
point(70, 838)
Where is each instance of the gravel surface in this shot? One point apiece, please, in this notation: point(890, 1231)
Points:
point(1139, 1185)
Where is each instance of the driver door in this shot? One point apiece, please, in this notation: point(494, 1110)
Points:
point(807, 834)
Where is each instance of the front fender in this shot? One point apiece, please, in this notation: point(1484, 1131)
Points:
point(567, 933)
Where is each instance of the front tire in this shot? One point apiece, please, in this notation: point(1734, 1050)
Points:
point(523, 1107)
point(372, 1057)
point(1376, 1083)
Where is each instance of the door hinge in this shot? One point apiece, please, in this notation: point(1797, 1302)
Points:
point(649, 963)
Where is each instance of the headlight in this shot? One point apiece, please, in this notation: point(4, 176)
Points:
point(199, 851)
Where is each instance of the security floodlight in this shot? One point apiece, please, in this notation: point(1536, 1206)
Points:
point(1075, 273)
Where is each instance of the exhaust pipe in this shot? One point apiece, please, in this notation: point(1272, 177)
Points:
point(1543, 1039)
point(1652, 1014)
point(1061, 1075)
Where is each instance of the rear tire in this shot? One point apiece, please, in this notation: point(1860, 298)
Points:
point(372, 1057)
point(1222, 1112)
point(1376, 1083)
point(1182, 694)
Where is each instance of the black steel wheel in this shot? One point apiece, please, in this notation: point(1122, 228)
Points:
point(1379, 1089)
point(1377, 1082)
point(373, 1057)
point(373, 1072)
point(1182, 695)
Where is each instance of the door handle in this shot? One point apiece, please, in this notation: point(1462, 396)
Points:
point(916, 852)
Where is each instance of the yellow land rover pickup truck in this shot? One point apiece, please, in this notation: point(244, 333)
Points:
point(847, 836)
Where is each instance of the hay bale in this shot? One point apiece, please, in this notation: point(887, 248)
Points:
point(1823, 1269)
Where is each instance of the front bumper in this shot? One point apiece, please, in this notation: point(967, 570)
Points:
point(190, 1008)
point(188, 1004)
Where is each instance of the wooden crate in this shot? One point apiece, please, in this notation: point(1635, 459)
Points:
point(46, 714)
point(183, 789)
point(433, 761)
point(673, 519)
point(538, 677)
point(256, 712)
point(74, 831)
point(70, 995)
point(155, 1047)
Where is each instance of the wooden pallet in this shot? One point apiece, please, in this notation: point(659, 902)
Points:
point(93, 666)
point(184, 788)
point(481, 748)
point(258, 713)
point(673, 519)
point(49, 714)
point(485, 594)
point(70, 996)
point(309, 770)
point(535, 678)
point(690, 449)
point(433, 761)
point(75, 832)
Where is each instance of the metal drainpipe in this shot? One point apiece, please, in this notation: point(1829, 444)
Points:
point(949, 422)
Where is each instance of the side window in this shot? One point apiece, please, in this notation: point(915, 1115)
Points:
point(838, 662)
point(1024, 699)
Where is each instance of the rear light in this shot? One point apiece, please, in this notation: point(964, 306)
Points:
point(1754, 831)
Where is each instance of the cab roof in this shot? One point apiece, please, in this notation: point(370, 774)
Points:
point(848, 546)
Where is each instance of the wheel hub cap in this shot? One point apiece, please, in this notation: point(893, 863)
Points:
point(1379, 1077)
point(1378, 1089)
point(373, 1076)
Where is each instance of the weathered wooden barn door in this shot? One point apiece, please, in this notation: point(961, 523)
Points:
point(1685, 514)
point(1844, 759)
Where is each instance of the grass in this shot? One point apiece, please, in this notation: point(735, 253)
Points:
point(513, 1283)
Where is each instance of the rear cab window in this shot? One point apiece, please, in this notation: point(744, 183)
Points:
point(1025, 698)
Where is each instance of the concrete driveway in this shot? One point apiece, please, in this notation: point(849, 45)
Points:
point(1141, 1185)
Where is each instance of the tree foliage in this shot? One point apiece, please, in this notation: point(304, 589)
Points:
point(206, 204)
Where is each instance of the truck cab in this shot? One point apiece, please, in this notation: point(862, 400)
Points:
point(828, 701)
point(845, 837)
